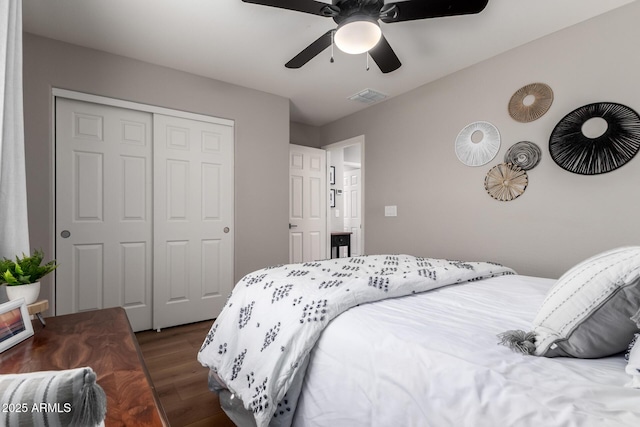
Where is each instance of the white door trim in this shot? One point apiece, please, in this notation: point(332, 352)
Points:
point(342, 144)
point(80, 96)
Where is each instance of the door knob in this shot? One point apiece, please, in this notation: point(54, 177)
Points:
point(292, 226)
point(65, 234)
point(226, 229)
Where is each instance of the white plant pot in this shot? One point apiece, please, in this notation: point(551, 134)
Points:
point(29, 292)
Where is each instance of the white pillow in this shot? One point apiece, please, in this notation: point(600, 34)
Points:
point(74, 395)
point(633, 364)
point(587, 312)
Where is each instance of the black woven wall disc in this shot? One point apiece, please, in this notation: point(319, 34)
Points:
point(575, 152)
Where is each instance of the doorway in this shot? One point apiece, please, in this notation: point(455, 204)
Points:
point(346, 213)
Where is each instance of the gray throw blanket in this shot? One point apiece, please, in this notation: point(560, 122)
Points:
point(274, 316)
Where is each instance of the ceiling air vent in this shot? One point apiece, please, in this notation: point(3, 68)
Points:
point(368, 96)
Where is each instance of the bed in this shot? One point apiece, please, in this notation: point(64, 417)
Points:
point(430, 357)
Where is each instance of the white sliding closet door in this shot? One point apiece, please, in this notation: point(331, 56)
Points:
point(193, 219)
point(144, 213)
point(103, 210)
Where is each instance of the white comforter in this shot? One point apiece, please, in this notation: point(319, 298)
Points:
point(432, 360)
point(275, 316)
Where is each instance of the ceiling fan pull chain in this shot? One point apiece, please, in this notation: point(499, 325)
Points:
point(332, 33)
point(367, 55)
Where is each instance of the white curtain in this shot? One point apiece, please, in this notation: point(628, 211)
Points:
point(14, 231)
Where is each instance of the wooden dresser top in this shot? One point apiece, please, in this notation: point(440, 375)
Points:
point(104, 341)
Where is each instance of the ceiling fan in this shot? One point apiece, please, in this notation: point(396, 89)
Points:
point(358, 29)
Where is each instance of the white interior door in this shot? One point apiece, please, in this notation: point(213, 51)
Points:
point(103, 210)
point(307, 204)
point(352, 196)
point(193, 219)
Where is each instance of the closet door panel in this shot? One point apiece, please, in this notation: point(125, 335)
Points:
point(193, 210)
point(103, 209)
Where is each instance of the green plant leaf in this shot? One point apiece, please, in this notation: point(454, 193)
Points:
point(9, 278)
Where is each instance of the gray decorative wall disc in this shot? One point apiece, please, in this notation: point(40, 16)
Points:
point(593, 153)
point(477, 144)
point(523, 154)
point(506, 182)
point(530, 102)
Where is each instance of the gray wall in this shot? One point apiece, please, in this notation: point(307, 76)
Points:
point(443, 209)
point(307, 135)
point(261, 143)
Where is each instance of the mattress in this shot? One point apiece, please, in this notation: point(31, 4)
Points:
point(433, 359)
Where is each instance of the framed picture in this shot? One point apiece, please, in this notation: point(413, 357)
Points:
point(332, 198)
point(15, 323)
point(332, 175)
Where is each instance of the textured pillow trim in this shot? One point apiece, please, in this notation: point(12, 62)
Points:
point(586, 264)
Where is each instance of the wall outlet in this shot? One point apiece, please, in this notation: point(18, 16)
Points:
point(391, 211)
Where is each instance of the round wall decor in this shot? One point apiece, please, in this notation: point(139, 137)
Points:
point(524, 154)
point(530, 102)
point(506, 182)
point(578, 149)
point(477, 144)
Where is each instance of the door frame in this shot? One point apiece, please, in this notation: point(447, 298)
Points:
point(356, 140)
point(113, 102)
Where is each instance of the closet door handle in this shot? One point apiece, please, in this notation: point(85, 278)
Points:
point(65, 234)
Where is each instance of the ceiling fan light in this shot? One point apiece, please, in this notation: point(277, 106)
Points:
point(357, 36)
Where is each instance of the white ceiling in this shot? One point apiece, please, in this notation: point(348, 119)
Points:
point(248, 44)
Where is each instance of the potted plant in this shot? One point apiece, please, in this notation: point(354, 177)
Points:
point(23, 275)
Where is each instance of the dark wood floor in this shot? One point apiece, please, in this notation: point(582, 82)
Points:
point(180, 380)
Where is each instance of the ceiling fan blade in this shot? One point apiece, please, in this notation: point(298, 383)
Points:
point(421, 9)
point(384, 56)
point(323, 42)
point(306, 6)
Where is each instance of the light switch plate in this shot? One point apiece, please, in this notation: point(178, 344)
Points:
point(391, 211)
